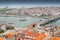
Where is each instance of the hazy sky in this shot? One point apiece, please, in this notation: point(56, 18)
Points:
point(29, 3)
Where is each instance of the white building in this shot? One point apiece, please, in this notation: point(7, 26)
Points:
point(3, 26)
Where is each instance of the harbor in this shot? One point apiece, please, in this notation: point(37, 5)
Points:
point(29, 20)
point(41, 23)
point(33, 28)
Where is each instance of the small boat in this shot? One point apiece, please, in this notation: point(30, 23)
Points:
point(22, 19)
point(46, 18)
point(40, 20)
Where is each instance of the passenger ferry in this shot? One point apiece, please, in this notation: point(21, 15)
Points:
point(22, 19)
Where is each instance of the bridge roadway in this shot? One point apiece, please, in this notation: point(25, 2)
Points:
point(50, 20)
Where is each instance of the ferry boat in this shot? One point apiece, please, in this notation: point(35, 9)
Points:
point(22, 19)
